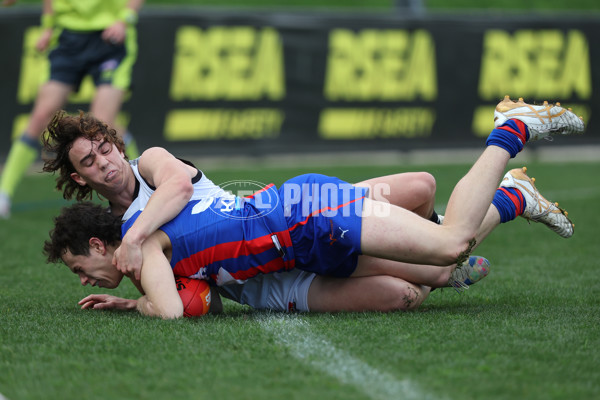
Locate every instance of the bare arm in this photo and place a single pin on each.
(173, 182)
(161, 298)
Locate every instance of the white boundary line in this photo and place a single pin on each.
(309, 348)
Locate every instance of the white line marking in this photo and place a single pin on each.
(307, 347)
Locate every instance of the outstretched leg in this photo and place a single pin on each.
(415, 191)
(397, 234)
(370, 293)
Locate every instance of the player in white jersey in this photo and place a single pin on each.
(203, 188)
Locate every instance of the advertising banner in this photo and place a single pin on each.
(209, 82)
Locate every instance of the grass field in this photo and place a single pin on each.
(530, 330)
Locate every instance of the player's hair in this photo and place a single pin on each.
(76, 225)
(58, 140)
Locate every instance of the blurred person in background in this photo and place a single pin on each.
(84, 37)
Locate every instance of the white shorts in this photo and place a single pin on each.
(285, 291)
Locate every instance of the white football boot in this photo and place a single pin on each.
(468, 273)
(538, 209)
(542, 121)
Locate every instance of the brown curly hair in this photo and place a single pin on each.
(58, 139)
(74, 227)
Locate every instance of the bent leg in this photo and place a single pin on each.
(396, 234)
(471, 198)
(373, 293)
(414, 191)
(489, 223)
(428, 275)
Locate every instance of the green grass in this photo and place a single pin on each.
(530, 330)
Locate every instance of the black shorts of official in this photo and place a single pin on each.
(78, 54)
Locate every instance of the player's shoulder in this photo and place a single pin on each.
(154, 152)
(153, 157)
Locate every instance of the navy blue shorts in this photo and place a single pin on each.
(78, 54)
(324, 216)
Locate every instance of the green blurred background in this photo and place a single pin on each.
(386, 5)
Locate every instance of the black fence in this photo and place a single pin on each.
(213, 82)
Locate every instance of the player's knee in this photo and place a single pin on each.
(405, 296)
(426, 185)
(411, 297)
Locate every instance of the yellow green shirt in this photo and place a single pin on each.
(87, 15)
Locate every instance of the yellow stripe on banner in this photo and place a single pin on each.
(223, 124)
(370, 123)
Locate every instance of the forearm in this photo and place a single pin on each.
(161, 298)
(164, 205)
(156, 214)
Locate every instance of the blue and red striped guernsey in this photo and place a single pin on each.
(231, 239)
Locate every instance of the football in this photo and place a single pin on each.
(195, 296)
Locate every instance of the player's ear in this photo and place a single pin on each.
(77, 178)
(97, 245)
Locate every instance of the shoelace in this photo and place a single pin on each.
(457, 279)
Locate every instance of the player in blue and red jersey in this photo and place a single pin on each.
(312, 223)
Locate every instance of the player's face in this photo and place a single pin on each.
(95, 269)
(100, 164)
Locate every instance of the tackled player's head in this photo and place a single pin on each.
(76, 225)
(58, 140)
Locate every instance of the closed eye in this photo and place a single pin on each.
(88, 160)
(105, 148)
